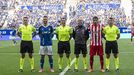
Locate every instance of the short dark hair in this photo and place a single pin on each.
(95, 17)
(25, 17)
(45, 16)
(111, 18)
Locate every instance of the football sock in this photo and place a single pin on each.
(32, 62)
(60, 62)
(51, 62)
(102, 61)
(21, 63)
(116, 62)
(69, 62)
(107, 63)
(76, 63)
(91, 62)
(85, 62)
(41, 63)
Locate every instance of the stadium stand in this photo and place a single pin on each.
(103, 9)
(37, 8)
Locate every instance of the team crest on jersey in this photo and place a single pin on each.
(49, 30)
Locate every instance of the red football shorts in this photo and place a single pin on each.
(96, 50)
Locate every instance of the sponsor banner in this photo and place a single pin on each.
(6, 34)
(98, 6)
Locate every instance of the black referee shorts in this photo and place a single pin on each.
(111, 46)
(80, 48)
(26, 47)
(64, 47)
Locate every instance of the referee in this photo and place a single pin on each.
(80, 35)
(25, 32)
(111, 35)
(63, 33)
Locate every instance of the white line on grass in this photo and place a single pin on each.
(66, 69)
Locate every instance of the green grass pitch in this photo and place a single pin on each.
(9, 60)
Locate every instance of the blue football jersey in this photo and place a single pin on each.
(45, 34)
(13, 32)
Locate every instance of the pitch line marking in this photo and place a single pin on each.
(66, 69)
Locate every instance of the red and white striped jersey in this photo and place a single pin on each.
(95, 34)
